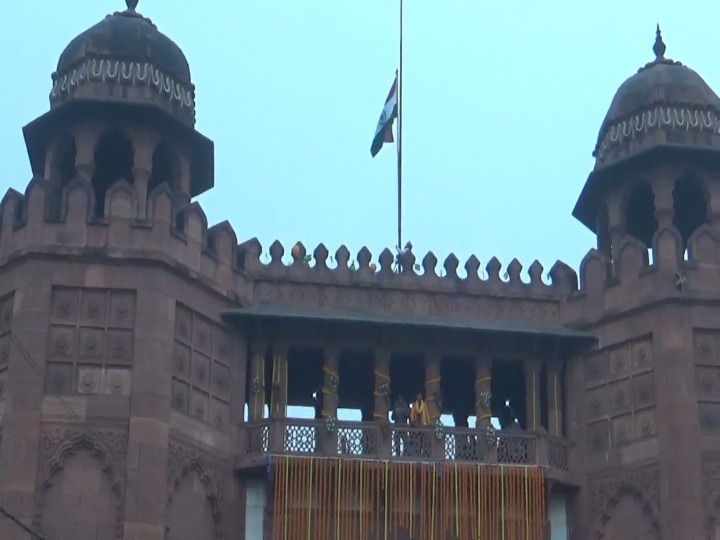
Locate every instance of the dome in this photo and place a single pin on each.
(664, 103)
(665, 111)
(125, 58)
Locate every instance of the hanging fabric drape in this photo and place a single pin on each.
(334, 499)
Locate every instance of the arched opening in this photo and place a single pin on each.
(191, 512)
(640, 214)
(114, 158)
(604, 242)
(164, 167)
(83, 484)
(690, 206)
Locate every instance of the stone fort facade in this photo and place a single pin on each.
(148, 360)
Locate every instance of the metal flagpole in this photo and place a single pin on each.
(399, 136)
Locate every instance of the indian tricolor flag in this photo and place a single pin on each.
(383, 132)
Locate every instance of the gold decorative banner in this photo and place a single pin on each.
(335, 499)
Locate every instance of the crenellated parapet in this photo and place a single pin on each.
(43, 220)
(638, 276)
(400, 282)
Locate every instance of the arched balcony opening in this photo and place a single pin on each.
(508, 393)
(640, 220)
(604, 241)
(458, 392)
(114, 158)
(165, 167)
(355, 389)
(690, 204)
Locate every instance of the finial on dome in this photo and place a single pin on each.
(659, 46)
(131, 5)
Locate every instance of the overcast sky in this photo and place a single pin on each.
(502, 105)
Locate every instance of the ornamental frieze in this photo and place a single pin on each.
(418, 303)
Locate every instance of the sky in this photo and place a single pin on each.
(502, 102)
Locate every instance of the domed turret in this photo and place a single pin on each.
(665, 114)
(122, 107)
(125, 58)
(664, 103)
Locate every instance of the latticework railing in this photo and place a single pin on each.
(321, 438)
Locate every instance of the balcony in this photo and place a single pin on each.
(365, 440)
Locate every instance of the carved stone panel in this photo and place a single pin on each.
(706, 347)
(621, 392)
(185, 461)
(711, 492)
(58, 443)
(707, 380)
(437, 304)
(709, 414)
(91, 340)
(201, 368)
(608, 495)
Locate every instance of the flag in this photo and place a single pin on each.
(383, 132)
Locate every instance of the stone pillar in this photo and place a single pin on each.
(85, 141)
(183, 187)
(141, 180)
(279, 389)
(382, 385)
(433, 394)
(532, 394)
(331, 382)
(483, 394)
(144, 146)
(278, 397)
(555, 398)
(239, 368)
(483, 411)
(327, 440)
(256, 397)
(23, 404)
(148, 434)
(679, 420)
(713, 207)
(663, 187)
(616, 221)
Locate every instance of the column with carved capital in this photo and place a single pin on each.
(279, 388)
(532, 394)
(256, 396)
(555, 398)
(382, 385)
(278, 396)
(433, 401)
(382, 398)
(331, 382)
(483, 394)
(483, 410)
(433, 394)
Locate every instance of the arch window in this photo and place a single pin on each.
(165, 168)
(114, 158)
(640, 213)
(690, 205)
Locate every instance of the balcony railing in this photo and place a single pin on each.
(295, 436)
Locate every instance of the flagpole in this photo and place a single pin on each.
(399, 136)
